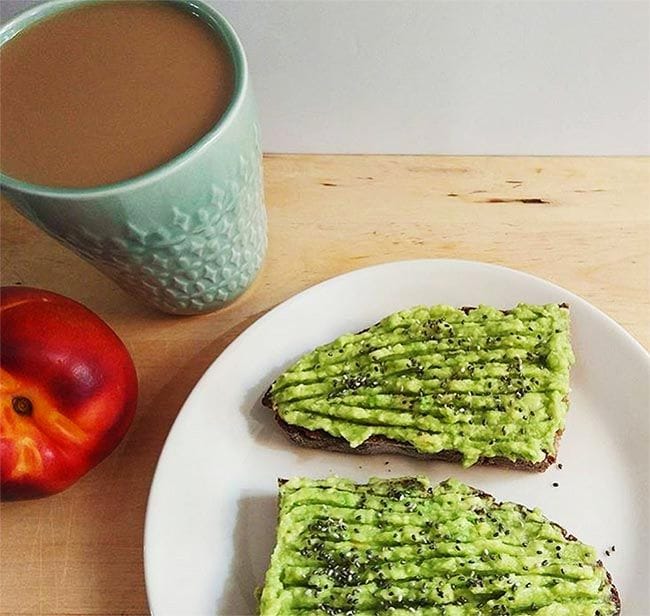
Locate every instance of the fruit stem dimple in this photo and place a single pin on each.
(22, 405)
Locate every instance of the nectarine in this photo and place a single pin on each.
(68, 391)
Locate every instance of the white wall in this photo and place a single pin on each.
(502, 77)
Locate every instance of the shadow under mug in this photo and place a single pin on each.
(187, 237)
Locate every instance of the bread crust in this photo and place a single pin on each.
(380, 445)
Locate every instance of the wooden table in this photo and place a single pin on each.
(582, 223)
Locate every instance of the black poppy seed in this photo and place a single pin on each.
(555, 484)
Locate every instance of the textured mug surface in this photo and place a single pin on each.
(187, 237)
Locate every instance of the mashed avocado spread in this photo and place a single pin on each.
(485, 383)
(400, 547)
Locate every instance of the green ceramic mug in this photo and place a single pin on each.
(187, 237)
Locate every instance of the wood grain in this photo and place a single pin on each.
(583, 223)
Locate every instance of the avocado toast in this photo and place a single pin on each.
(401, 546)
(473, 385)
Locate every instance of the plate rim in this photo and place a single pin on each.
(639, 349)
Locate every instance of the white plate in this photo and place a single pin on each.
(211, 516)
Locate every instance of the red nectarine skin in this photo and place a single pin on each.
(68, 391)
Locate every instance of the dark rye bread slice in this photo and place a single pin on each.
(492, 501)
(382, 445)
